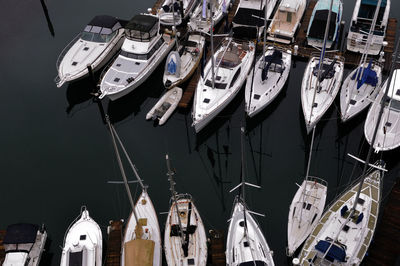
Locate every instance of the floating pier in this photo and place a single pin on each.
(302, 51)
(2, 251)
(217, 248)
(113, 254)
(384, 248)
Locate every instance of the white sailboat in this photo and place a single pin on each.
(361, 22)
(388, 135)
(167, 104)
(83, 243)
(210, 11)
(24, 244)
(173, 12)
(142, 236)
(185, 238)
(94, 46)
(362, 85)
(222, 82)
(245, 243)
(181, 64)
(267, 78)
(321, 81)
(286, 21)
(142, 51)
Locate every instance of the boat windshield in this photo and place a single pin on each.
(97, 37)
(229, 60)
(393, 104)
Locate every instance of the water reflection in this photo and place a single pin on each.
(46, 14)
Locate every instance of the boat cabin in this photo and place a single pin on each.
(366, 15)
(287, 15)
(317, 29)
(142, 28)
(101, 29)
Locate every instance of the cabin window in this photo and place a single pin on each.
(97, 37)
(144, 56)
(289, 17)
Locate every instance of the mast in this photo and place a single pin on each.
(322, 57)
(212, 46)
(265, 33)
(121, 167)
(174, 25)
(170, 174)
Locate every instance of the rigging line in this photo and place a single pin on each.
(389, 109)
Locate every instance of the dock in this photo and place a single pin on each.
(385, 247)
(217, 248)
(2, 251)
(113, 254)
(299, 48)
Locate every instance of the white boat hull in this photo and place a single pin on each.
(172, 98)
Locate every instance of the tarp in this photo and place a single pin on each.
(334, 253)
(368, 76)
(21, 234)
(139, 252)
(318, 25)
(250, 17)
(103, 21)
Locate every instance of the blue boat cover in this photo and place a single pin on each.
(369, 76)
(171, 67)
(21, 234)
(335, 252)
(373, 2)
(275, 58)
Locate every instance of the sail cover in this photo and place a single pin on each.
(369, 76)
(139, 252)
(334, 253)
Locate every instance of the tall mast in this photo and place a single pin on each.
(212, 46)
(265, 32)
(170, 174)
(322, 56)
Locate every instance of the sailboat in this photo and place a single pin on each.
(94, 46)
(362, 85)
(361, 22)
(345, 231)
(210, 11)
(315, 31)
(142, 51)
(286, 21)
(245, 244)
(185, 237)
(83, 243)
(321, 81)
(173, 12)
(23, 244)
(388, 135)
(267, 78)
(182, 63)
(142, 236)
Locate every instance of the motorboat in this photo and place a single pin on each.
(344, 233)
(221, 84)
(94, 46)
(83, 242)
(173, 12)
(185, 240)
(24, 244)
(318, 91)
(318, 20)
(267, 79)
(167, 104)
(360, 88)
(286, 21)
(248, 22)
(143, 50)
(364, 11)
(181, 64)
(207, 12)
(388, 132)
(245, 244)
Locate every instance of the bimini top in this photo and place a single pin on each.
(21, 234)
(142, 27)
(103, 24)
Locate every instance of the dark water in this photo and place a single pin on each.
(56, 153)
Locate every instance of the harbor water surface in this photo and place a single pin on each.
(57, 154)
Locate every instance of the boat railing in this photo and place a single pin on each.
(318, 180)
(329, 55)
(66, 49)
(107, 67)
(83, 208)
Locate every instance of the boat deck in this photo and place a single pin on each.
(2, 251)
(113, 254)
(303, 51)
(384, 249)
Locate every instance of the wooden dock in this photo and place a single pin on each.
(113, 254)
(2, 251)
(217, 248)
(385, 247)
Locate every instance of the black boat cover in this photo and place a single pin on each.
(21, 234)
(142, 23)
(103, 21)
(253, 263)
(317, 29)
(75, 258)
(250, 17)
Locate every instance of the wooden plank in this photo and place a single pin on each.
(217, 248)
(113, 254)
